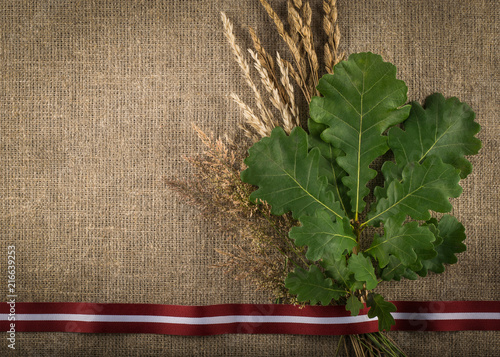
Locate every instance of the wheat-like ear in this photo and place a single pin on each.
(275, 97)
(267, 63)
(299, 61)
(307, 38)
(331, 28)
(294, 75)
(269, 84)
(285, 81)
(295, 26)
(266, 119)
(266, 58)
(251, 120)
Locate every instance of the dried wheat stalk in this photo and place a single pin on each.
(331, 28)
(275, 97)
(267, 62)
(293, 31)
(299, 59)
(266, 118)
(305, 30)
(285, 81)
(281, 90)
(251, 120)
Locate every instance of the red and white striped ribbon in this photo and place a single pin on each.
(242, 318)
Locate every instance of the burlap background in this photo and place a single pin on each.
(97, 100)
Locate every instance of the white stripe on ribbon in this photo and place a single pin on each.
(214, 320)
(446, 315)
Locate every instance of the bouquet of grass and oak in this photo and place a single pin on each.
(296, 208)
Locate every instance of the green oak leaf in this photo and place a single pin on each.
(323, 236)
(426, 254)
(328, 166)
(354, 305)
(445, 128)
(410, 274)
(286, 173)
(381, 309)
(336, 268)
(360, 101)
(451, 233)
(363, 270)
(401, 241)
(311, 285)
(395, 270)
(424, 187)
(391, 172)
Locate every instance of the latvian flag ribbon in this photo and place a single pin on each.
(242, 318)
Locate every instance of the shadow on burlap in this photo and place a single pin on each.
(97, 101)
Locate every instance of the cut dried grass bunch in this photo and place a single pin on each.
(261, 250)
(305, 72)
(281, 96)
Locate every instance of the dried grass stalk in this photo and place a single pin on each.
(331, 28)
(280, 90)
(266, 116)
(302, 25)
(309, 46)
(252, 121)
(267, 81)
(299, 59)
(294, 30)
(285, 81)
(275, 97)
(267, 62)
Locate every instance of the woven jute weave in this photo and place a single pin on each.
(97, 99)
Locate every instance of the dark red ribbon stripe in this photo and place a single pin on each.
(242, 318)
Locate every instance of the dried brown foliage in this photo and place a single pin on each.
(262, 251)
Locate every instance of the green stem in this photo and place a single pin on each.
(357, 231)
